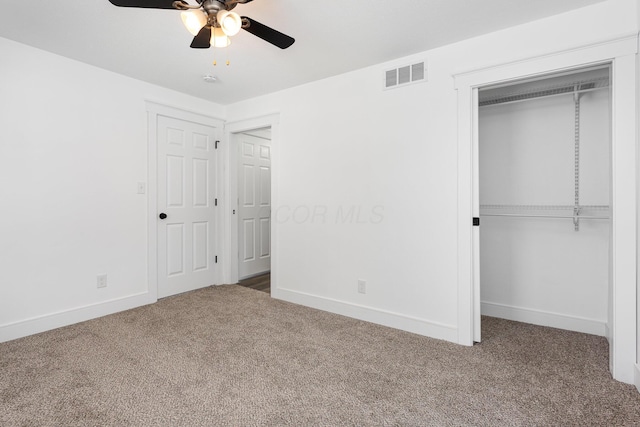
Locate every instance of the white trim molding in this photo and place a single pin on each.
(544, 318)
(381, 317)
(59, 319)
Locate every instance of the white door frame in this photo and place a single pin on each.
(230, 220)
(154, 110)
(621, 53)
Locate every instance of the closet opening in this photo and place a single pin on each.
(544, 194)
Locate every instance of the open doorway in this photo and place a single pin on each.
(254, 157)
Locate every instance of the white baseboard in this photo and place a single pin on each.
(369, 314)
(47, 322)
(544, 318)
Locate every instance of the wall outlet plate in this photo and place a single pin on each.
(102, 281)
(362, 286)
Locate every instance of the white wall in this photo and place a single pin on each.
(344, 142)
(74, 147)
(541, 270)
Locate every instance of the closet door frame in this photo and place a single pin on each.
(620, 54)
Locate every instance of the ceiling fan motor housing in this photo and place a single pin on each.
(212, 7)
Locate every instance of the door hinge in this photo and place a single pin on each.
(216, 260)
(217, 142)
(476, 221)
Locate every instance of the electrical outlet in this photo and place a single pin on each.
(362, 286)
(102, 281)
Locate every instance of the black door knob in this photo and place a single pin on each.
(162, 215)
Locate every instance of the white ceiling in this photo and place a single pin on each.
(331, 38)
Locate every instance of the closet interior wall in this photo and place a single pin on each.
(544, 167)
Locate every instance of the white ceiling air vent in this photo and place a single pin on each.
(402, 76)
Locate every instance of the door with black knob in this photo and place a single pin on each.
(187, 230)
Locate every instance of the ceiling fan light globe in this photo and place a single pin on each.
(194, 20)
(230, 22)
(219, 38)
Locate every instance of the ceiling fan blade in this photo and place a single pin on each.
(268, 34)
(203, 39)
(153, 4)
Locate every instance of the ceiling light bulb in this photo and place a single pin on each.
(219, 38)
(230, 22)
(194, 20)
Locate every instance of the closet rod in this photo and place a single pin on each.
(565, 90)
(545, 207)
(549, 216)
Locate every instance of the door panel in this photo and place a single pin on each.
(175, 249)
(200, 246)
(254, 196)
(186, 193)
(265, 186)
(249, 239)
(265, 237)
(175, 181)
(200, 183)
(248, 196)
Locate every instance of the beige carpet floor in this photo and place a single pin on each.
(231, 356)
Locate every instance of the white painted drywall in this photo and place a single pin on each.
(73, 149)
(345, 144)
(543, 267)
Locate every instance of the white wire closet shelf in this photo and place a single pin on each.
(576, 87)
(547, 211)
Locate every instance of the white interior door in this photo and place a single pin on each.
(186, 206)
(254, 205)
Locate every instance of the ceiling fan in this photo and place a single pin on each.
(214, 17)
